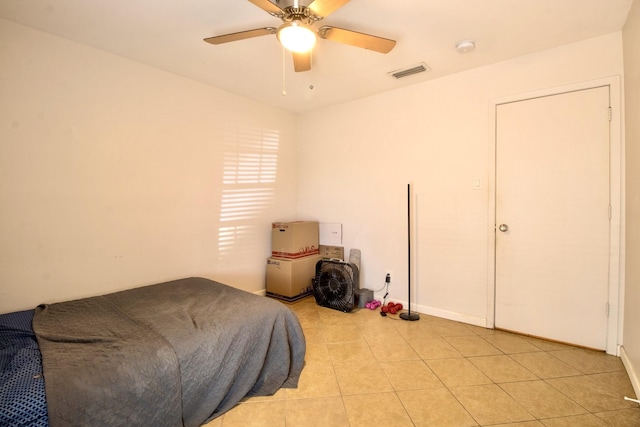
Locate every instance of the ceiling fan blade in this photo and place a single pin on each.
(324, 8)
(269, 7)
(301, 61)
(226, 38)
(354, 38)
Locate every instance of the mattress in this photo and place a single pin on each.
(22, 393)
(177, 353)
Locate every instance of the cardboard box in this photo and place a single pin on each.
(330, 234)
(332, 252)
(290, 279)
(293, 240)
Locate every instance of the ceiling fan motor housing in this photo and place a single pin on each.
(301, 13)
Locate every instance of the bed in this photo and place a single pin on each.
(178, 353)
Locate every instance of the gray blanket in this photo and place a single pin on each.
(172, 354)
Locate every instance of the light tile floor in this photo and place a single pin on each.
(363, 369)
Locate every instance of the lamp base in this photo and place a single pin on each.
(409, 316)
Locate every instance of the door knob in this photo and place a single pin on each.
(503, 227)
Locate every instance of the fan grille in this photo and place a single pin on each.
(335, 285)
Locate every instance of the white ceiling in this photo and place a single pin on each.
(168, 35)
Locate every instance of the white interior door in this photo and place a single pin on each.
(552, 216)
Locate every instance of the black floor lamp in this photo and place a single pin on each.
(409, 315)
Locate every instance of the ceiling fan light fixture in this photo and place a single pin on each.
(296, 37)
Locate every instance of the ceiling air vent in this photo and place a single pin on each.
(420, 68)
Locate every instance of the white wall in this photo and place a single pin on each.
(356, 159)
(111, 175)
(631, 39)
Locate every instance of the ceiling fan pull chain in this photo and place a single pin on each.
(311, 70)
(284, 82)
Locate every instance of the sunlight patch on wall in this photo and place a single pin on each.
(248, 190)
(244, 204)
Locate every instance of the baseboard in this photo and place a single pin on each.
(449, 315)
(633, 375)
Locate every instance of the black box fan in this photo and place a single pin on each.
(335, 284)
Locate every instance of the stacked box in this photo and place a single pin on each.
(292, 265)
(293, 240)
(289, 279)
(332, 252)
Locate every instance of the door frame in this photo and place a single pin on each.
(616, 224)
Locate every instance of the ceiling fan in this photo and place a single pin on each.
(297, 35)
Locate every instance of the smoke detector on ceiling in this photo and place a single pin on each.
(465, 46)
(414, 69)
